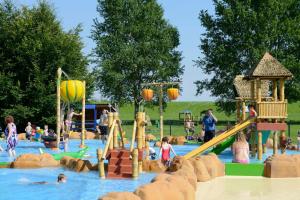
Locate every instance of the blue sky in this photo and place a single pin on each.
(181, 14)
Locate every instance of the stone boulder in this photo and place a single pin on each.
(157, 144)
(120, 196)
(189, 175)
(200, 169)
(213, 165)
(180, 140)
(179, 183)
(22, 136)
(159, 190)
(153, 166)
(150, 137)
(171, 139)
(282, 166)
(76, 165)
(179, 162)
(35, 161)
(176, 163)
(90, 135)
(75, 135)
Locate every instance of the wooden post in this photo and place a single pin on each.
(274, 91)
(147, 150)
(259, 146)
(243, 111)
(258, 90)
(161, 127)
(110, 123)
(275, 143)
(143, 130)
(139, 135)
(133, 136)
(122, 142)
(83, 118)
(58, 125)
(135, 164)
(238, 111)
(109, 139)
(252, 88)
(100, 163)
(283, 140)
(253, 145)
(116, 131)
(281, 81)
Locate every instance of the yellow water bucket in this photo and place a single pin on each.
(71, 90)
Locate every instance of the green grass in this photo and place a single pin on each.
(173, 109)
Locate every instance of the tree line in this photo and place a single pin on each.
(135, 44)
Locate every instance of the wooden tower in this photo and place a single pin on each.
(271, 105)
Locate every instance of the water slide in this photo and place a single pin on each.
(220, 138)
(222, 146)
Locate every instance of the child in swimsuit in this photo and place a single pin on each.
(240, 149)
(165, 151)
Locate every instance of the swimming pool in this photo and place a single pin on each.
(16, 183)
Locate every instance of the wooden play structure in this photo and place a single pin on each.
(173, 94)
(122, 162)
(69, 91)
(271, 106)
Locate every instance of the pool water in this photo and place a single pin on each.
(17, 183)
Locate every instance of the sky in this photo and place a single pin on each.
(181, 14)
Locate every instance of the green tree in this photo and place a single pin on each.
(238, 35)
(32, 46)
(135, 45)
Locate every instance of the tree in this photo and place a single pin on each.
(239, 34)
(32, 46)
(135, 45)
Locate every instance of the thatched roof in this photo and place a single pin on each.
(269, 67)
(243, 87)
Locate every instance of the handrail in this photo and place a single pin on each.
(110, 135)
(121, 133)
(133, 136)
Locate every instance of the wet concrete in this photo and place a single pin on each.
(249, 188)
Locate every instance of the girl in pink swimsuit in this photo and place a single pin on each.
(240, 149)
(165, 151)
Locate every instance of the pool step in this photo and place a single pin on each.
(119, 164)
(120, 161)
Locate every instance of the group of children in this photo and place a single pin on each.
(33, 132)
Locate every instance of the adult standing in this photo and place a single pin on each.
(11, 136)
(103, 124)
(209, 125)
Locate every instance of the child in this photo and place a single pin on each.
(46, 131)
(62, 178)
(68, 121)
(165, 151)
(240, 149)
(252, 112)
(189, 127)
(28, 130)
(152, 153)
